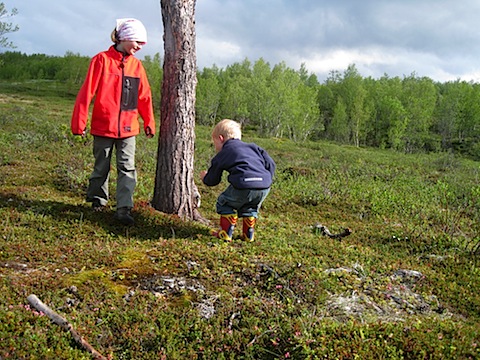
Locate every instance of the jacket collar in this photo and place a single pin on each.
(117, 55)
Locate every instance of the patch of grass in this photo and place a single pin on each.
(403, 285)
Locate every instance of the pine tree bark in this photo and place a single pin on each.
(175, 190)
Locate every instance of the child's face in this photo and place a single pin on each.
(218, 142)
(131, 47)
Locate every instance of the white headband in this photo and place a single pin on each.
(131, 30)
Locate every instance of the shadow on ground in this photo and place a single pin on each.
(149, 223)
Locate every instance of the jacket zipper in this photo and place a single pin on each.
(122, 65)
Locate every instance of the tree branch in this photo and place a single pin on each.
(64, 324)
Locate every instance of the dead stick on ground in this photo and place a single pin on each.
(324, 230)
(64, 324)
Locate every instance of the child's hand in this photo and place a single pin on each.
(148, 132)
(202, 174)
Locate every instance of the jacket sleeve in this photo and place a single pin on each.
(145, 107)
(85, 95)
(214, 173)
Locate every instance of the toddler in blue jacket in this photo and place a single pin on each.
(250, 174)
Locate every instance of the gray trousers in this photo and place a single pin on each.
(126, 172)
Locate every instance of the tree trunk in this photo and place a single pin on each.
(175, 190)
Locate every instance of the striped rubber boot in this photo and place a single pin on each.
(227, 225)
(249, 228)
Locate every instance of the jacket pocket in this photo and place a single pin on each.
(130, 93)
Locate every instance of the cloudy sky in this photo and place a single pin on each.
(439, 39)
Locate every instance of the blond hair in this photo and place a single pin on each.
(229, 129)
(114, 36)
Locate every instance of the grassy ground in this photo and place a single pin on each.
(404, 285)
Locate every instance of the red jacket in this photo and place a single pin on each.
(121, 90)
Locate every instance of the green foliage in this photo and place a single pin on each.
(208, 96)
(403, 285)
(6, 27)
(32, 72)
(153, 67)
(278, 102)
(410, 114)
(338, 129)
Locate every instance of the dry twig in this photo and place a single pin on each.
(64, 324)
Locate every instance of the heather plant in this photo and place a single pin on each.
(403, 285)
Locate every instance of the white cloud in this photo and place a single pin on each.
(218, 52)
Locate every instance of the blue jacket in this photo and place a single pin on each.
(249, 166)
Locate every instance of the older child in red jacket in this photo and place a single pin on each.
(119, 84)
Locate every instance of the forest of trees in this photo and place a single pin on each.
(409, 114)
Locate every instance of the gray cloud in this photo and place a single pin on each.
(434, 38)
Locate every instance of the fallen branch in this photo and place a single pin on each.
(324, 231)
(64, 324)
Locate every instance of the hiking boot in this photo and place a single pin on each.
(124, 216)
(97, 206)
